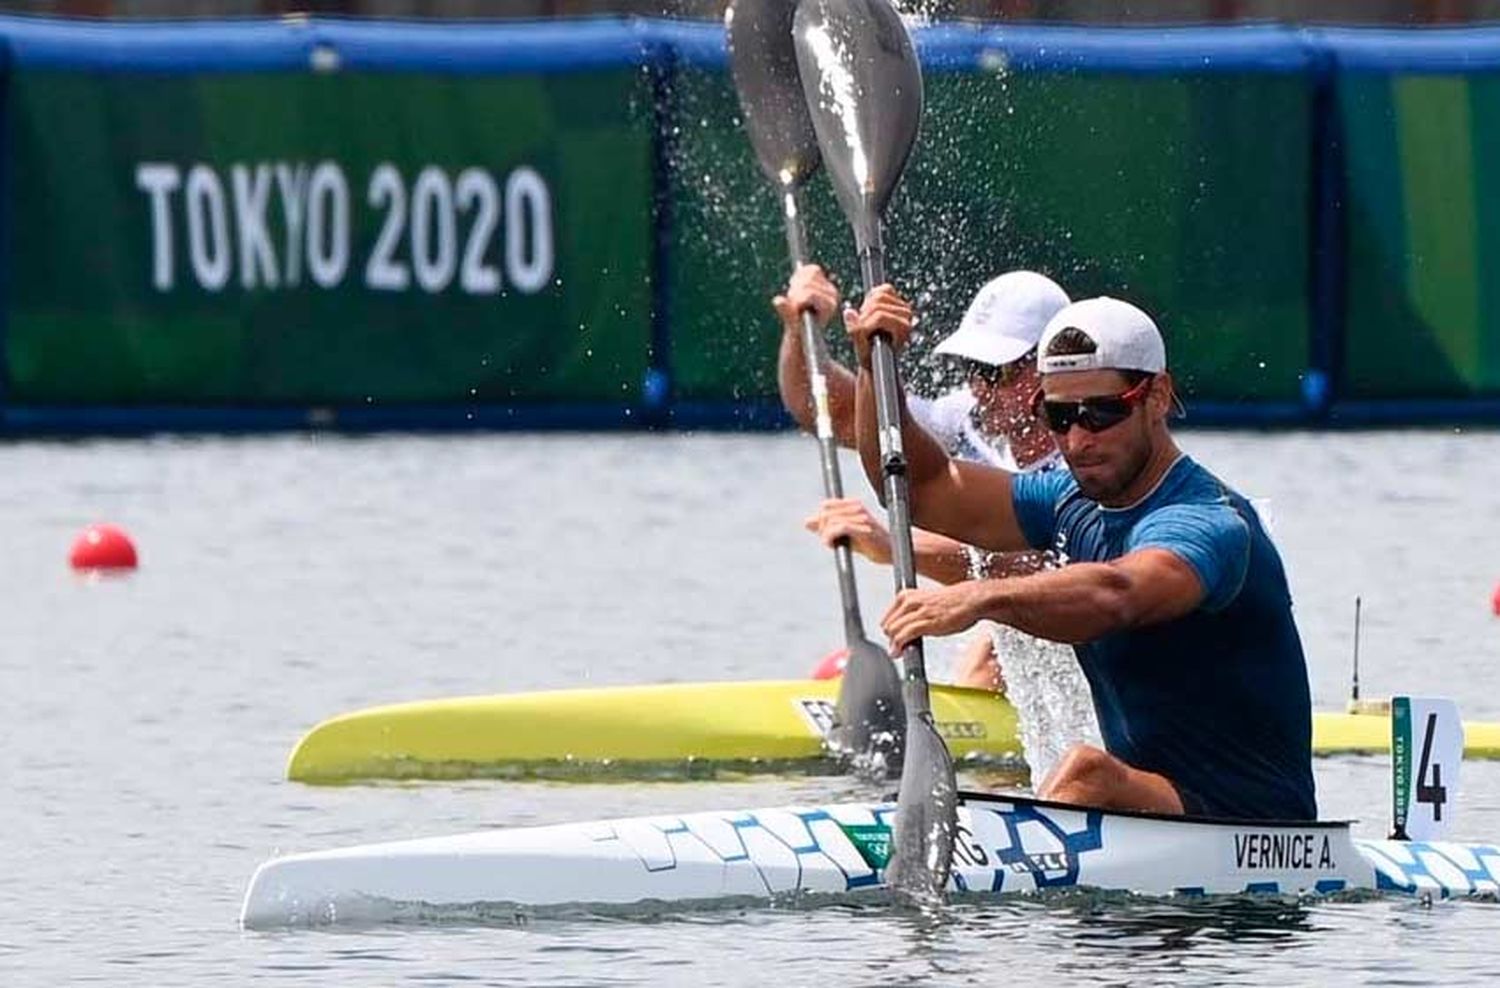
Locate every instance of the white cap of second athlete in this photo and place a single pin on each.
(1006, 318)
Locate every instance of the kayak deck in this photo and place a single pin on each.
(1370, 734)
(1006, 844)
(670, 730)
(683, 730)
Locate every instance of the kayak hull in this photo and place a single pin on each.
(1370, 734)
(682, 730)
(1006, 845)
(668, 729)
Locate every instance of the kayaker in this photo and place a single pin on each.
(1172, 595)
(988, 420)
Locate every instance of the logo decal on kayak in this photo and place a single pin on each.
(871, 840)
(819, 714)
(1022, 839)
(1050, 868)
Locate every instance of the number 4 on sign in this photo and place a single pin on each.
(1427, 744)
(1433, 793)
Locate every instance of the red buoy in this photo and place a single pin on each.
(1495, 601)
(831, 666)
(102, 547)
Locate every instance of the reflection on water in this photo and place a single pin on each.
(1180, 924)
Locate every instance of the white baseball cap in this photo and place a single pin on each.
(1124, 337)
(1006, 318)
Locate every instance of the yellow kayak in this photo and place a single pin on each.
(1370, 733)
(673, 729)
(681, 730)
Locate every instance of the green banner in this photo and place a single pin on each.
(1423, 222)
(1189, 195)
(341, 238)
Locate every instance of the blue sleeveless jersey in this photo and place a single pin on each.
(1217, 701)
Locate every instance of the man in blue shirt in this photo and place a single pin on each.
(1173, 596)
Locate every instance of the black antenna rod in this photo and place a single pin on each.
(1354, 693)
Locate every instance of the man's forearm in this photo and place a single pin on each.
(939, 557)
(791, 379)
(1077, 603)
(998, 564)
(925, 458)
(796, 390)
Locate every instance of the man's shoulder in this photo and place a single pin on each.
(1190, 494)
(1038, 499)
(1044, 492)
(943, 416)
(1189, 482)
(959, 401)
(1197, 519)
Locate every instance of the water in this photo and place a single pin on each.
(146, 721)
(1051, 698)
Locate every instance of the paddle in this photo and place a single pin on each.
(864, 91)
(870, 718)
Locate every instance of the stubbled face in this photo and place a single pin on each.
(1005, 409)
(1107, 463)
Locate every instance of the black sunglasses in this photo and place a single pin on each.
(999, 375)
(1093, 414)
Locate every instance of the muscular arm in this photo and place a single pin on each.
(811, 292)
(937, 556)
(969, 502)
(1085, 601)
(1079, 603)
(947, 560)
(1000, 564)
(796, 392)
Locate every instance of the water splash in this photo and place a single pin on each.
(961, 215)
(872, 765)
(1054, 708)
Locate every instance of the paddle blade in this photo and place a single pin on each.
(764, 66)
(926, 814)
(863, 88)
(871, 717)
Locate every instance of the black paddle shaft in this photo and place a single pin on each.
(833, 481)
(927, 804)
(893, 470)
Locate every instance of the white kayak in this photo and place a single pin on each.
(1007, 844)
